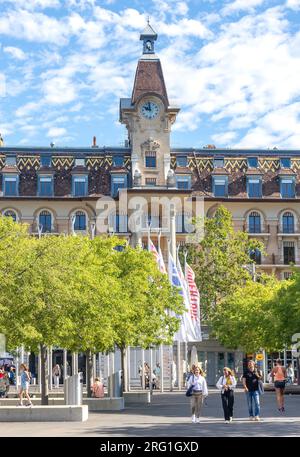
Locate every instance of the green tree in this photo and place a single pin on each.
(220, 259)
(145, 311)
(244, 319)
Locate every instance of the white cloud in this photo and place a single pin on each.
(28, 108)
(224, 139)
(241, 5)
(33, 26)
(59, 90)
(56, 132)
(32, 4)
(293, 4)
(16, 53)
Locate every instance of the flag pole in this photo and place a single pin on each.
(186, 343)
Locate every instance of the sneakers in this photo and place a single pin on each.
(193, 418)
(251, 418)
(257, 418)
(29, 404)
(20, 404)
(230, 419)
(281, 410)
(227, 422)
(198, 420)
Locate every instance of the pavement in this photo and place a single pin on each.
(169, 415)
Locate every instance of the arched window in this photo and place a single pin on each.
(45, 220)
(80, 221)
(288, 223)
(254, 222)
(10, 213)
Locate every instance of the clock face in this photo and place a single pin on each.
(150, 110)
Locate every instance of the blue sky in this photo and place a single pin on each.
(232, 66)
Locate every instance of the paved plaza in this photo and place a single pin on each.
(169, 416)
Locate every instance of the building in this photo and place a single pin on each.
(60, 190)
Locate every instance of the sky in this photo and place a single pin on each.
(232, 66)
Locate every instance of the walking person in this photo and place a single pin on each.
(24, 387)
(200, 391)
(279, 375)
(226, 385)
(56, 373)
(290, 374)
(251, 386)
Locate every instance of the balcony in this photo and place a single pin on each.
(276, 261)
(264, 230)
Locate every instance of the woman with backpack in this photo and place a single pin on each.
(198, 387)
(279, 375)
(226, 385)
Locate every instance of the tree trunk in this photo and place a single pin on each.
(44, 375)
(89, 373)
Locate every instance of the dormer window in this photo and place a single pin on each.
(118, 161)
(46, 161)
(11, 161)
(219, 162)
(252, 162)
(285, 162)
(181, 161)
(79, 162)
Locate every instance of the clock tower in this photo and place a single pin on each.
(148, 117)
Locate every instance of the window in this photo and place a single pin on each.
(11, 161)
(80, 186)
(181, 161)
(254, 188)
(45, 186)
(150, 181)
(183, 223)
(79, 162)
(118, 223)
(219, 162)
(220, 186)
(118, 161)
(45, 220)
(255, 222)
(252, 162)
(255, 255)
(288, 252)
(10, 213)
(288, 223)
(10, 186)
(287, 275)
(183, 182)
(287, 187)
(80, 221)
(46, 161)
(285, 162)
(150, 159)
(118, 182)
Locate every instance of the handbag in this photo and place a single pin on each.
(189, 391)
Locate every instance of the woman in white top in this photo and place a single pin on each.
(226, 384)
(198, 382)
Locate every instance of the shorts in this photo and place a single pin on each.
(279, 384)
(25, 386)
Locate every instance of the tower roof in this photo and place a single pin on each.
(148, 32)
(149, 79)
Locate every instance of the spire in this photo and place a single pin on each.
(148, 36)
